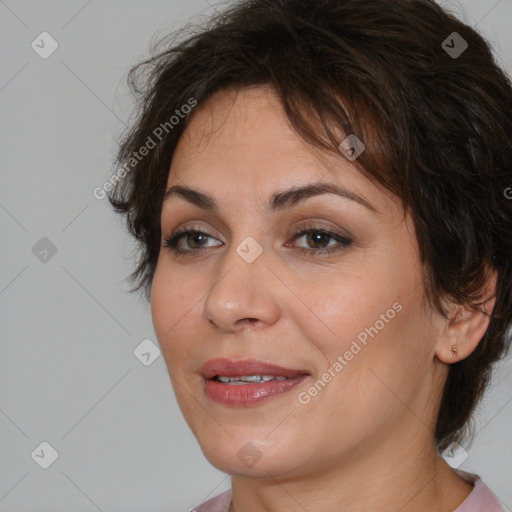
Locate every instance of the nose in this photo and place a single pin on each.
(243, 294)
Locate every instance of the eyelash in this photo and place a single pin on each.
(173, 241)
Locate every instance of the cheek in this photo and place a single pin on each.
(163, 294)
(347, 308)
(377, 357)
(174, 303)
(366, 323)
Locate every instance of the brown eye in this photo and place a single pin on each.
(194, 239)
(318, 241)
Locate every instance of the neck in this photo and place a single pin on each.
(409, 482)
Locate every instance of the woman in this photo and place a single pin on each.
(318, 188)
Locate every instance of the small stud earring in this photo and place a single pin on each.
(454, 351)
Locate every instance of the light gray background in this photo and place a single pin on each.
(69, 375)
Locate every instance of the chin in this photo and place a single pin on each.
(247, 458)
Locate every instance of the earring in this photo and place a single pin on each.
(454, 351)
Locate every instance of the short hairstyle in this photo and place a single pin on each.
(437, 126)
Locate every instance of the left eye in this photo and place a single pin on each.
(318, 241)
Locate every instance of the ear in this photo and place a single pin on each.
(464, 328)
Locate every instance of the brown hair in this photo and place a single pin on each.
(437, 128)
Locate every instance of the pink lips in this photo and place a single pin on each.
(252, 393)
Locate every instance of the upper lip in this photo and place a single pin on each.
(232, 368)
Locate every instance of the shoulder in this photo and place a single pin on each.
(481, 498)
(219, 503)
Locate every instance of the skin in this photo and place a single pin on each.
(365, 441)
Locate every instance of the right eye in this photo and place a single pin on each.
(194, 238)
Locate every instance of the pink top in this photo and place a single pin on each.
(481, 498)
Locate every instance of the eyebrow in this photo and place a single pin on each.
(278, 201)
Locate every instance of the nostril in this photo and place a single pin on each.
(247, 320)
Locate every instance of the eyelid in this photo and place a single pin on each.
(302, 230)
(189, 229)
(296, 228)
(185, 227)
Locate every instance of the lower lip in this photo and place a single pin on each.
(249, 394)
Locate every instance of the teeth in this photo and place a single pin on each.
(249, 378)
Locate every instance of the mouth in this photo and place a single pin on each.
(249, 382)
(247, 379)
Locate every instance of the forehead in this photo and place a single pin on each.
(246, 126)
(241, 142)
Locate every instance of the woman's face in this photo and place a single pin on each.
(342, 303)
